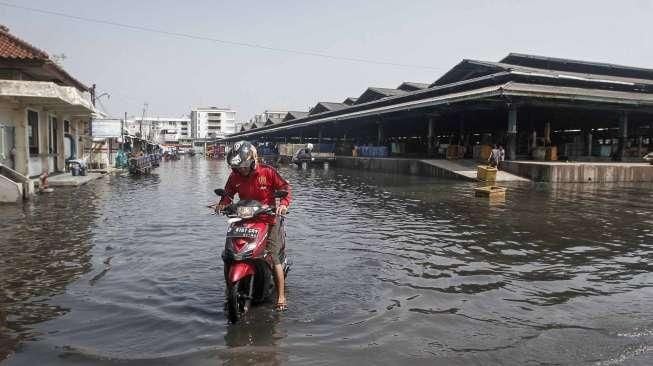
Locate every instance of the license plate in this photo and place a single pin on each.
(242, 232)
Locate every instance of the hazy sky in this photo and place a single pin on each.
(173, 74)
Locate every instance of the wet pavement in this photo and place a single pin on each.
(388, 269)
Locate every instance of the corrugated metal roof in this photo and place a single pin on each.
(322, 107)
(412, 86)
(374, 93)
(294, 115)
(427, 102)
(563, 64)
(465, 68)
(571, 93)
(511, 88)
(471, 77)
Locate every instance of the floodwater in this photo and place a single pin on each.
(388, 269)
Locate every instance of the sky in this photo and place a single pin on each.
(396, 40)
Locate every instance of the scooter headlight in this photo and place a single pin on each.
(245, 212)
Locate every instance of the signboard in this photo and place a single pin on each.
(104, 128)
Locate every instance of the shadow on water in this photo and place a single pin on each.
(387, 269)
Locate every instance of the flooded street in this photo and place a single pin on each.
(387, 269)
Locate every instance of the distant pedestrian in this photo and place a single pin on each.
(495, 155)
(502, 154)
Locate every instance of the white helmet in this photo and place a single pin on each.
(309, 146)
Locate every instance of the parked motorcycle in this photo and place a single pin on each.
(248, 267)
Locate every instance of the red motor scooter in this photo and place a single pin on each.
(248, 266)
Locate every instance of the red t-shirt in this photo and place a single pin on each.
(259, 185)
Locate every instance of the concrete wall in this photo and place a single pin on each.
(13, 183)
(393, 166)
(581, 172)
(10, 191)
(33, 165)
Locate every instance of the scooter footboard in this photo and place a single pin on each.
(240, 270)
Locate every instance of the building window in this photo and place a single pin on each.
(33, 132)
(66, 126)
(52, 137)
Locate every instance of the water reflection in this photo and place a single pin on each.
(256, 340)
(45, 246)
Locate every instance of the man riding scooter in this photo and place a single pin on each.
(254, 181)
(304, 155)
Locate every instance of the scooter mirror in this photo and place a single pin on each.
(220, 192)
(280, 194)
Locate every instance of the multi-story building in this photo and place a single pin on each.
(211, 122)
(163, 130)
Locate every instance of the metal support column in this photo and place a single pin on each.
(588, 140)
(511, 149)
(461, 130)
(379, 136)
(623, 128)
(430, 135)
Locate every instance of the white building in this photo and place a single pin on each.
(269, 114)
(45, 115)
(163, 130)
(212, 122)
(261, 119)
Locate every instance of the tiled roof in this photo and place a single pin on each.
(15, 48)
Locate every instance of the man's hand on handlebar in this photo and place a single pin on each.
(217, 208)
(282, 210)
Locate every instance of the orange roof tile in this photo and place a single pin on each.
(14, 47)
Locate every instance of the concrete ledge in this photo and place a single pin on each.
(65, 95)
(396, 166)
(68, 180)
(585, 172)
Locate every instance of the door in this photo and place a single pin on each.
(7, 156)
(54, 143)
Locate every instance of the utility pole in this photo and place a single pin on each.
(140, 126)
(122, 128)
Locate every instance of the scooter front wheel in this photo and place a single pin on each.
(239, 299)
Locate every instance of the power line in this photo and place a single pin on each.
(217, 40)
